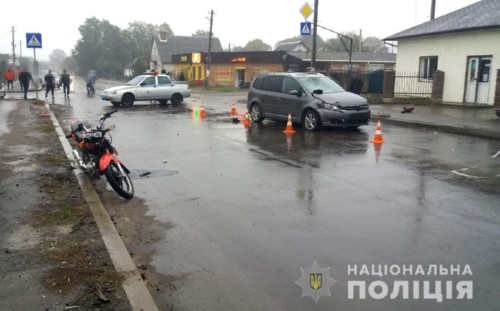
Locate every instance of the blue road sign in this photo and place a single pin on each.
(34, 40)
(305, 29)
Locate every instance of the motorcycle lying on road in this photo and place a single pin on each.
(96, 156)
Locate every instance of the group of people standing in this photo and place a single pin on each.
(25, 78)
(50, 83)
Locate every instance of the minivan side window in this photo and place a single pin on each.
(257, 84)
(290, 84)
(273, 83)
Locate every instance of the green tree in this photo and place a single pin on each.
(373, 44)
(139, 65)
(256, 45)
(69, 64)
(307, 40)
(56, 57)
(108, 49)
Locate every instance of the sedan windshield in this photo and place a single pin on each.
(325, 84)
(135, 80)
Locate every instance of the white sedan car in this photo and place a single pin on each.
(146, 88)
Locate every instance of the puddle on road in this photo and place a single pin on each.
(156, 173)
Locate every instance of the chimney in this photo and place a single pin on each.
(433, 9)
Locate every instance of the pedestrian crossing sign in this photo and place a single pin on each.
(34, 40)
(305, 29)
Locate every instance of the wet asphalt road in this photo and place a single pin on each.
(248, 208)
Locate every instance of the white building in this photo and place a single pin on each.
(164, 47)
(464, 44)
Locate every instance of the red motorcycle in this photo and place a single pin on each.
(96, 156)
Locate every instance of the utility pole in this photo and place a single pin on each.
(13, 47)
(360, 47)
(315, 32)
(209, 58)
(433, 9)
(20, 50)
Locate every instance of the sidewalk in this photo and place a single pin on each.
(51, 251)
(481, 122)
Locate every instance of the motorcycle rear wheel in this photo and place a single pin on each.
(121, 183)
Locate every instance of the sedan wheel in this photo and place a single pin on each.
(255, 113)
(311, 120)
(128, 100)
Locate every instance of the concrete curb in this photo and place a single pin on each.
(137, 293)
(483, 133)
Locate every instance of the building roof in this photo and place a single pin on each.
(480, 15)
(185, 44)
(289, 46)
(344, 57)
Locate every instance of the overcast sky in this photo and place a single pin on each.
(235, 21)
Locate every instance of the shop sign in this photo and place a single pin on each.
(239, 60)
(196, 58)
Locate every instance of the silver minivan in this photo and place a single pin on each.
(313, 99)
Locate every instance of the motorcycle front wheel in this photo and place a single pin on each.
(119, 180)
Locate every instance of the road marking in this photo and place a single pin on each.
(137, 293)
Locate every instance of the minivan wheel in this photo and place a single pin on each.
(311, 120)
(255, 113)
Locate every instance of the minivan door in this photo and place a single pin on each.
(290, 103)
(270, 96)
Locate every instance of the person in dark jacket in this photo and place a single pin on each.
(19, 73)
(50, 83)
(65, 81)
(25, 78)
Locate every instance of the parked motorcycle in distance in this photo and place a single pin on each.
(96, 156)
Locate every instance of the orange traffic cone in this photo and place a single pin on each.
(246, 120)
(233, 111)
(377, 139)
(289, 128)
(202, 111)
(234, 114)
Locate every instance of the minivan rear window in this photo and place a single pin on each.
(272, 83)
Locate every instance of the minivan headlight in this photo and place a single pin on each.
(329, 106)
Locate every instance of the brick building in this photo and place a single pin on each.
(233, 68)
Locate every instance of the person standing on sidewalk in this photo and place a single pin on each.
(50, 83)
(19, 72)
(9, 76)
(25, 78)
(65, 81)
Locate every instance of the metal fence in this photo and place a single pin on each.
(360, 81)
(411, 84)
